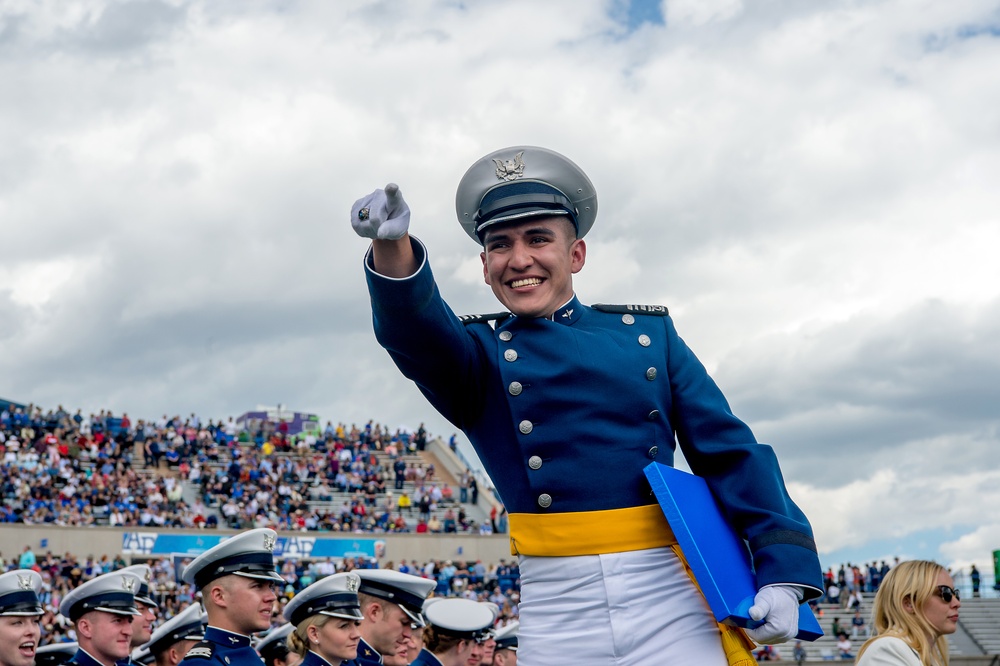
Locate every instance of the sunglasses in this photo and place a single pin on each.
(947, 593)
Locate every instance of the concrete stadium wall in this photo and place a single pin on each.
(98, 541)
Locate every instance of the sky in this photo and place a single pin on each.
(809, 187)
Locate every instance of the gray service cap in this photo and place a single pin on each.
(520, 182)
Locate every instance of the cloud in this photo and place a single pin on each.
(809, 187)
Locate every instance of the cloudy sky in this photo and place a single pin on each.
(811, 188)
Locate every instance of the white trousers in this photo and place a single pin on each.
(620, 609)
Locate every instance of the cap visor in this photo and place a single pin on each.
(117, 611)
(346, 614)
(417, 618)
(270, 575)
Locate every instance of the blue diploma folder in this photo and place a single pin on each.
(718, 557)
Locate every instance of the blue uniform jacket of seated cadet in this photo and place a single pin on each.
(367, 656)
(565, 413)
(222, 647)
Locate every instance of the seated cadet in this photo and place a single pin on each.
(102, 610)
(506, 650)
(173, 639)
(273, 647)
(391, 603)
(456, 629)
(326, 616)
(488, 641)
(236, 579)
(55, 654)
(416, 647)
(20, 611)
(142, 626)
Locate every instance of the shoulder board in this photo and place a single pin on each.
(483, 318)
(202, 650)
(656, 310)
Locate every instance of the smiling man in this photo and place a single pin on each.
(102, 611)
(20, 610)
(566, 404)
(236, 579)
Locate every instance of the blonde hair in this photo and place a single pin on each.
(909, 583)
(298, 640)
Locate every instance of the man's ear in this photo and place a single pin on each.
(578, 255)
(84, 628)
(486, 274)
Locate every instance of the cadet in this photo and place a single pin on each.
(20, 610)
(326, 616)
(456, 630)
(391, 603)
(142, 626)
(236, 579)
(102, 610)
(505, 653)
(172, 640)
(566, 404)
(273, 647)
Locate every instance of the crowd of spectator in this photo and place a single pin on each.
(498, 582)
(70, 469)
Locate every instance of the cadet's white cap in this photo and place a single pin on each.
(463, 618)
(520, 182)
(336, 596)
(409, 592)
(112, 593)
(188, 625)
(19, 593)
(248, 555)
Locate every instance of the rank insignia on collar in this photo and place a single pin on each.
(567, 314)
(24, 582)
(233, 639)
(508, 170)
(269, 543)
(128, 583)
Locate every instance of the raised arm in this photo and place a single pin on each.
(384, 217)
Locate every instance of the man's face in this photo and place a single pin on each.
(248, 603)
(106, 636)
(142, 627)
(19, 638)
(390, 634)
(530, 265)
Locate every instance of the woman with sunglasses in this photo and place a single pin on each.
(915, 607)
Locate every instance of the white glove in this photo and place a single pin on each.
(778, 606)
(382, 214)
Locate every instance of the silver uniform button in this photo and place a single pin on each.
(644, 340)
(505, 336)
(651, 374)
(628, 319)
(653, 415)
(515, 388)
(534, 462)
(510, 355)
(653, 450)
(525, 427)
(545, 500)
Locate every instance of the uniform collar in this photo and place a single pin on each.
(367, 654)
(230, 639)
(568, 313)
(84, 658)
(315, 659)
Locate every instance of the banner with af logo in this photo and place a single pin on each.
(157, 543)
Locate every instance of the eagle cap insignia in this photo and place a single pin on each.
(353, 584)
(24, 582)
(508, 170)
(128, 583)
(269, 543)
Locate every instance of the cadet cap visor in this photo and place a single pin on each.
(520, 182)
(273, 645)
(19, 593)
(506, 637)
